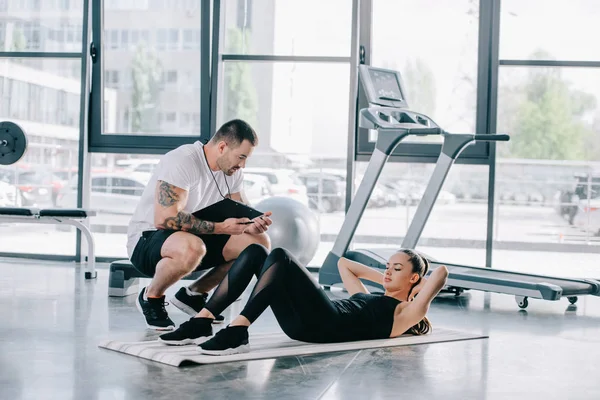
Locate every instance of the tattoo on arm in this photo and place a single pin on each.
(186, 222)
(166, 194)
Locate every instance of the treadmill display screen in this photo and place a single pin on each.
(386, 85)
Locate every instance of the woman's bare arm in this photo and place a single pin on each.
(352, 272)
(417, 309)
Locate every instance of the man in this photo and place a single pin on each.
(166, 242)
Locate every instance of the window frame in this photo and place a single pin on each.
(101, 142)
(478, 153)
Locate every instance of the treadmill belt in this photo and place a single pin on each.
(491, 279)
(569, 286)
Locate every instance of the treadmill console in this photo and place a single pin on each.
(388, 104)
(383, 87)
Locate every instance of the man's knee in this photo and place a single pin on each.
(185, 248)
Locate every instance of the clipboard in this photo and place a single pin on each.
(226, 208)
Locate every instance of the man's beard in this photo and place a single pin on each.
(222, 164)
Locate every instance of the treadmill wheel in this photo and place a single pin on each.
(572, 299)
(522, 301)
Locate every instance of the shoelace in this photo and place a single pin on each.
(157, 309)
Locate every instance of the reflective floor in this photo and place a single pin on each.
(53, 320)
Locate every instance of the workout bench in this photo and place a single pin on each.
(74, 217)
(123, 278)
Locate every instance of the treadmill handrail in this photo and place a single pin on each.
(425, 131)
(492, 137)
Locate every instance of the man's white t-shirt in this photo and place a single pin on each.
(186, 168)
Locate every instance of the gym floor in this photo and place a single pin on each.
(54, 319)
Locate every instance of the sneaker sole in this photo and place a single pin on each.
(183, 307)
(189, 310)
(184, 342)
(156, 328)
(245, 348)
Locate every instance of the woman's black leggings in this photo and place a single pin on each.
(301, 307)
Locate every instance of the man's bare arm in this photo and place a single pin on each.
(188, 223)
(241, 197)
(169, 214)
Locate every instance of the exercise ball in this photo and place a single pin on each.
(295, 227)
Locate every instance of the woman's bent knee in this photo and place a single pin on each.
(255, 250)
(280, 254)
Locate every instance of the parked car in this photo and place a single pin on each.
(587, 217)
(398, 194)
(114, 193)
(415, 193)
(257, 188)
(138, 164)
(283, 182)
(326, 192)
(9, 195)
(36, 187)
(380, 197)
(571, 202)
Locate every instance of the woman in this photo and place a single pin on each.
(304, 311)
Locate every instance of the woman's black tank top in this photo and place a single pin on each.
(365, 317)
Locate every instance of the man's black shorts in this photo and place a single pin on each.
(147, 251)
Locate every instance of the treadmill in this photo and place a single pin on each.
(390, 116)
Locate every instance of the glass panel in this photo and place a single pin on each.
(48, 26)
(46, 105)
(547, 175)
(300, 131)
(152, 72)
(462, 203)
(436, 53)
(282, 102)
(549, 30)
(285, 32)
(118, 181)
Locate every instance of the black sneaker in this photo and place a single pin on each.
(194, 331)
(154, 312)
(231, 340)
(192, 304)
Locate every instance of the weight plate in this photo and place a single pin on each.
(13, 143)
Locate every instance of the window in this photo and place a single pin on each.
(440, 76)
(549, 166)
(161, 39)
(285, 31)
(547, 173)
(41, 96)
(33, 27)
(143, 75)
(191, 39)
(118, 186)
(124, 39)
(111, 78)
(114, 39)
(283, 102)
(173, 42)
(563, 30)
(172, 77)
(244, 14)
